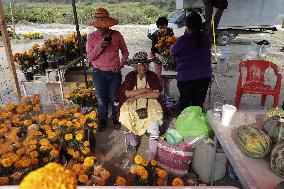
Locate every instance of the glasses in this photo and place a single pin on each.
(217, 109)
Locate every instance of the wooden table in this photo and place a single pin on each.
(253, 173)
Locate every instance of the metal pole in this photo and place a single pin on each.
(79, 40)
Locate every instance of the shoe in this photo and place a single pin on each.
(116, 125)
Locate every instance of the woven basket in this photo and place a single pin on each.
(174, 159)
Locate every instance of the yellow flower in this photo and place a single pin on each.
(86, 143)
(79, 136)
(120, 181)
(21, 151)
(28, 122)
(70, 152)
(59, 177)
(86, 151)
(4, 181)
(69, 123)
(76, 154)
(54, 153)
(138, 159)
(83, 178)
(89, 161)
(154, 162)
(177, 182)
(93, 115)
(44, 142)
(68, 137)
(55, 121)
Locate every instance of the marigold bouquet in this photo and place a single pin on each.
(26, 60)
(164, 45)
(83, 95)
(147, 174)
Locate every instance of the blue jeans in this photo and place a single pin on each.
(106, 84)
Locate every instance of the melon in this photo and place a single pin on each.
(252, 141)
(274, 127)
(277, 159)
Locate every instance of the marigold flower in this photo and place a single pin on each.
(100, 181)
(26, 162)
(28, 122)
(79, 136)
(83, 178)
(144, 175)
(34, 161)
(34, 154)
(160, 182)
(59, 177)
(86, 151)
(21, 151)
(4, 181)
(76, 154)
(145, 163)
(162, 173)
(86, 143)
(7, 162)
(138, 159)
(154, 162)
(89, 161)
(105, 174)
(177, 182)
(120, 181)
(45, 160)
(68, 136)
(70, 151)
(44, 142)
(54, 153)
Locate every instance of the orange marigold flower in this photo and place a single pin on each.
(45, 160)
(28, 122)
(177, 182)
(54, 153)
(138, 159)
(83, 178)
(100, 181)
(34, 154)
(120, 181)
(7, 162)
(89, 161)
(162, 173)
(26, 162)
(86, 143)
(68, 136)
(20, 151)
(70, 151)
(154, 162)
(105, 174)
(79, 136)
(4, 180)
(34, 161)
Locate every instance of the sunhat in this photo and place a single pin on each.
(102, 19)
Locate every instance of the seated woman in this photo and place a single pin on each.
(140, 107)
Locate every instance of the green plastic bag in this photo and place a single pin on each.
(173, 137)
(193, 123)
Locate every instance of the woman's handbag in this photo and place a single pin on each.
(142, 112)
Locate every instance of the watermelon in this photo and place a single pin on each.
(274, 127)
(277, 159)
(252, 141)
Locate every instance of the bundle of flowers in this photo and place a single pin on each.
(101, 176)
(26, 60)
(164, 45)
(83, 95)
(147, 173)
(55, 51)
(33, 35)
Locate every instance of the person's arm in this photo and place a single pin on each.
(151, 95)
(93, 47)
(136, 92)
(124, 50)
(177, 46)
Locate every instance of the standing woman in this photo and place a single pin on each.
(193, 59)
(103, 48)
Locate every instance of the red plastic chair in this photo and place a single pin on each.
(255, 83)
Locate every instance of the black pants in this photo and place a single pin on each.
(192, 93)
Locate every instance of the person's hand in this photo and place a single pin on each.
(161, 58)
(131, 100)
(104, 43)
(118, 68)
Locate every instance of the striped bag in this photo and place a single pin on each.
(174, 159)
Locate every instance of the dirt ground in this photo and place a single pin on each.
(110, 144)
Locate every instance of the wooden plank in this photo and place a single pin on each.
(9, 54)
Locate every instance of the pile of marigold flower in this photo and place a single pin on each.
(30, 139)
(33, 35)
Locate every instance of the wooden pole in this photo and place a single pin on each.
(10, 58)
(12, 16)
(79, 39)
